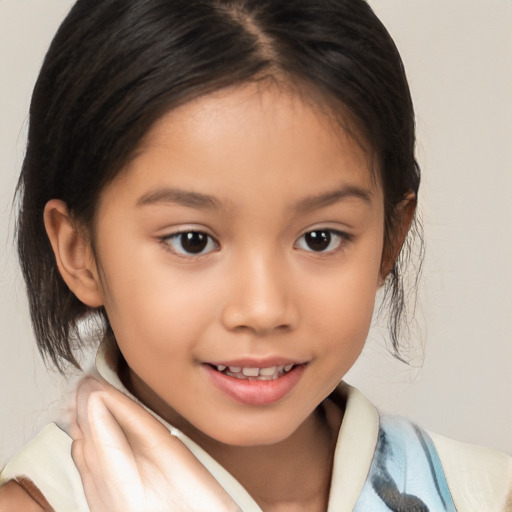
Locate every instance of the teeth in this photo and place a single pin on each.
(251, 372)
(269, 373)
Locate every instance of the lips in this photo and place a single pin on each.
(255, 384)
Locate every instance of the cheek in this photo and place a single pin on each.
(348, 315)
(346, 322)
(150, 304)
(343, 305)
(159, 316)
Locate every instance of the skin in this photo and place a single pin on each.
(268, 162)
(13, 498)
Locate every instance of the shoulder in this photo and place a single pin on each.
(479, 478)
(47, 463)
(13, 497)
(427, 470)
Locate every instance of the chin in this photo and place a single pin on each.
(251, 434)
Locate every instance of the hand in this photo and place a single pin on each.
(129, 461)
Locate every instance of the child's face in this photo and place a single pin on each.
(278, 264)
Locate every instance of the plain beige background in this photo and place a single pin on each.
(458, 55)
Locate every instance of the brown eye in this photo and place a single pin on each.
(321, 240)
(318, 240)
(191, 243)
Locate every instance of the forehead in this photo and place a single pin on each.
(255, 135)
(266, 100)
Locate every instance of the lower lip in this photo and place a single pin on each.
(255, 392)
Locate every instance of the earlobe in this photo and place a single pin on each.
(73, 254)
(405, 211)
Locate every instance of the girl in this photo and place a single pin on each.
(225, 185)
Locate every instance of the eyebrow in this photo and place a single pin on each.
(179, 197)
(334, 196)
(206, 202)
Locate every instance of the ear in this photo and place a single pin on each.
(405, 213)
(73, 254)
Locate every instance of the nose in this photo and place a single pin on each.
(261, 297)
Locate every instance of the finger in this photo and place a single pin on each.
(74, 430)
(77, 454)
(85, 389)
(99, 403)
(106, 449)
(88, 482)
(93, 418)
(142, 430)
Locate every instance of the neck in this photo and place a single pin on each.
(295, 471)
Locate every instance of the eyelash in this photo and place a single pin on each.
(206, 243)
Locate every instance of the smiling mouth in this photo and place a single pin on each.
(261, 374)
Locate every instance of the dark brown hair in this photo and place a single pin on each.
(116, 66)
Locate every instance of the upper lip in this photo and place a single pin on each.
(267, 362)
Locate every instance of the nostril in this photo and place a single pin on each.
(259, 311)
(262, 330)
